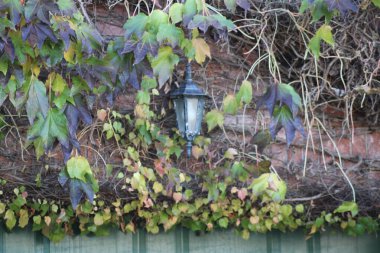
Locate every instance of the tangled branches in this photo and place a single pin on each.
(345, 76)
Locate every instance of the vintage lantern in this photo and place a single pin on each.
(189, 101)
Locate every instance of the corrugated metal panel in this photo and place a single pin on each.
(184, 241)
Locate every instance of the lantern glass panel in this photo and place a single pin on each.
(192, 108)
(201, 105)
(179, 108)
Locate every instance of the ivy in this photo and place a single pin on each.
(323, 33)
(54, 64)
(234, 208)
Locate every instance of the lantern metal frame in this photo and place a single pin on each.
(182, 97)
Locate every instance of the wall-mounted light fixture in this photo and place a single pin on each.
(189, 102)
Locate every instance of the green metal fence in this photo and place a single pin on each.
(184, 241)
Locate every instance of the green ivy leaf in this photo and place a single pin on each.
(143, 97)
(15, 9)
(214, 118)
(54, 126)
(230, 104)
(136, 25)
(300, 208)
(170, 33)
(323, 33)
(52, 53)
(304, 6)
(3, 96)
(286, 210)
(156, 19)
(319, 9)
(260, 184)
(148, 83)
(158, 187)
(188, 49)
(223, 21)
(66, 5)
(175, 12)
(78, 167)
(376, 3)
(37, 100)
(2, 208)
(98, 219)
(59, 84)
(245, 92)
(10, 219)
(189, 10)
(238, 171)
(277, 188)
(138, 182)
(61, 99)
(231, 5)
(223, 222)
(22, 48)
(348, 206)
(3, 64)
(164, 63)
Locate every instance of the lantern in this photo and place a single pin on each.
(189, 101)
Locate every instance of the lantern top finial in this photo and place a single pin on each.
(188, 87)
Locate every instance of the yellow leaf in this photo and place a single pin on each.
(254, 220)
(197, 152)
(313, 230)
(47, 220)
(201, 50)
(36, 70)
(24, 218)
(98, 219)
(69, 54)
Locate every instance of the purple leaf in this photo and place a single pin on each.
(44, 31)
(26, 32)
(87, 189)
(145, 69)
(269, 99)
(129, 46)
(283, 118)
(85, 115)
(76, 193)
(200, 21)
(243, 4)
(110, 98)
(14, 8)
(66, 33)
(123, 78)
(72, 115)
(140, 52)
(43, 16)
(283, 94)
(133, 79)
(10, 50)
(90, 80)
(62, 178)
(66, 153)
(342, 5)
